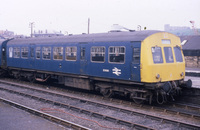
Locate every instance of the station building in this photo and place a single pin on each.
(191, 50)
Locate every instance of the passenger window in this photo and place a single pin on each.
(58, 53)
(10, 52)
(117, 54)
(98, 54)
(46, 53)
(24, 51)
(157, 55)
(16, 52)
(178, 54)
(168, 55)
(38, 50)
(71, 53)
(136, 55)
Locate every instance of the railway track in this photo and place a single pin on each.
(191, 110)
(45, 115)
(80, 110)
(130, 124)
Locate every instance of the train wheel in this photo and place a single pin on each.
(161, 97)
(138, 101)
(106, 93)
(18, 77)
(31, 79)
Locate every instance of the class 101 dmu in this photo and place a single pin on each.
(143, 65)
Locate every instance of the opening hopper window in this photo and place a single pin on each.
(71, 53)
(98, 54)
(24, 51)
(168, 55)
(178, 54)
(46, 53)
(117, 54)
(16, 51)
(157, 55)
(58, 53)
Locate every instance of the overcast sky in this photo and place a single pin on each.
(72, 15)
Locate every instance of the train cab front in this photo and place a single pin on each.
(163, 66)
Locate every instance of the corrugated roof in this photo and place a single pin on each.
(101, 37)
(192, 43)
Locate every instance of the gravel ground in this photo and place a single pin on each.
(67, 115)
(12, 118)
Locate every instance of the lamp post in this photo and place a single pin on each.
(31, 25)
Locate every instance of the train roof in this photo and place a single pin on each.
(1, 41)
(100, 37)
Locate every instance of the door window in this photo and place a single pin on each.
(38, 52)
(10, 52)
(136, 55)
(32, 52)
(82, 53)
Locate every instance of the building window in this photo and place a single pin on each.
(46, 53)
(38, 51)
(157, 55)
(136, 55)
(16, 52)
(98, 54)
(168, 55)
(71, 53)
(178, 54)
(24, 51)
(58, 53)
(10, 52)
(117, 54)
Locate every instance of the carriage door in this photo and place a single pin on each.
(3, 54)
(4, 63)
(135, 73)
(32, 56)
(83, 60)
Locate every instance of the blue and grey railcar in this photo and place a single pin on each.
(140, 64)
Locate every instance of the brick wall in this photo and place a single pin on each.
(192, 61)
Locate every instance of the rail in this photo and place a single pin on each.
(45, 115)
